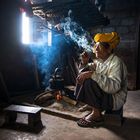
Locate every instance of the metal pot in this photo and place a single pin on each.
(56, 81)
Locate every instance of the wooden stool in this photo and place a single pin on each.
(34, 117)
(114, 117)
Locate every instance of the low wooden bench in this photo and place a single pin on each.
(34, 116)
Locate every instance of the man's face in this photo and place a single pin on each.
(100, 51)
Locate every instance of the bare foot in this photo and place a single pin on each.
(92, 116)
(85, 108)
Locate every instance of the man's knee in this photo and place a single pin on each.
(89, 82)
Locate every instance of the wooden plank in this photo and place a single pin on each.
(23, 109)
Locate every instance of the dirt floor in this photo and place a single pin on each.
(58, 128)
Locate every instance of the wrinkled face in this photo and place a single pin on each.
(101, 52)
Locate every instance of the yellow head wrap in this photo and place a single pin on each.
(111, 38)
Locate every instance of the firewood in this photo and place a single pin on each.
(70, 101)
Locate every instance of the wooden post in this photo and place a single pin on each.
(36, 72)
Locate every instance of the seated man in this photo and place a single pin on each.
(104, 85)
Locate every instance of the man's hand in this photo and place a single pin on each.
(83, 76)
(84, 58)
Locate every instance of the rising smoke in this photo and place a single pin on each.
(47, 57)
(76, 32)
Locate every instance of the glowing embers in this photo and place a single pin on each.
(58, 95)
(25, 29)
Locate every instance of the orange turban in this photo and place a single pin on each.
(111, 38)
